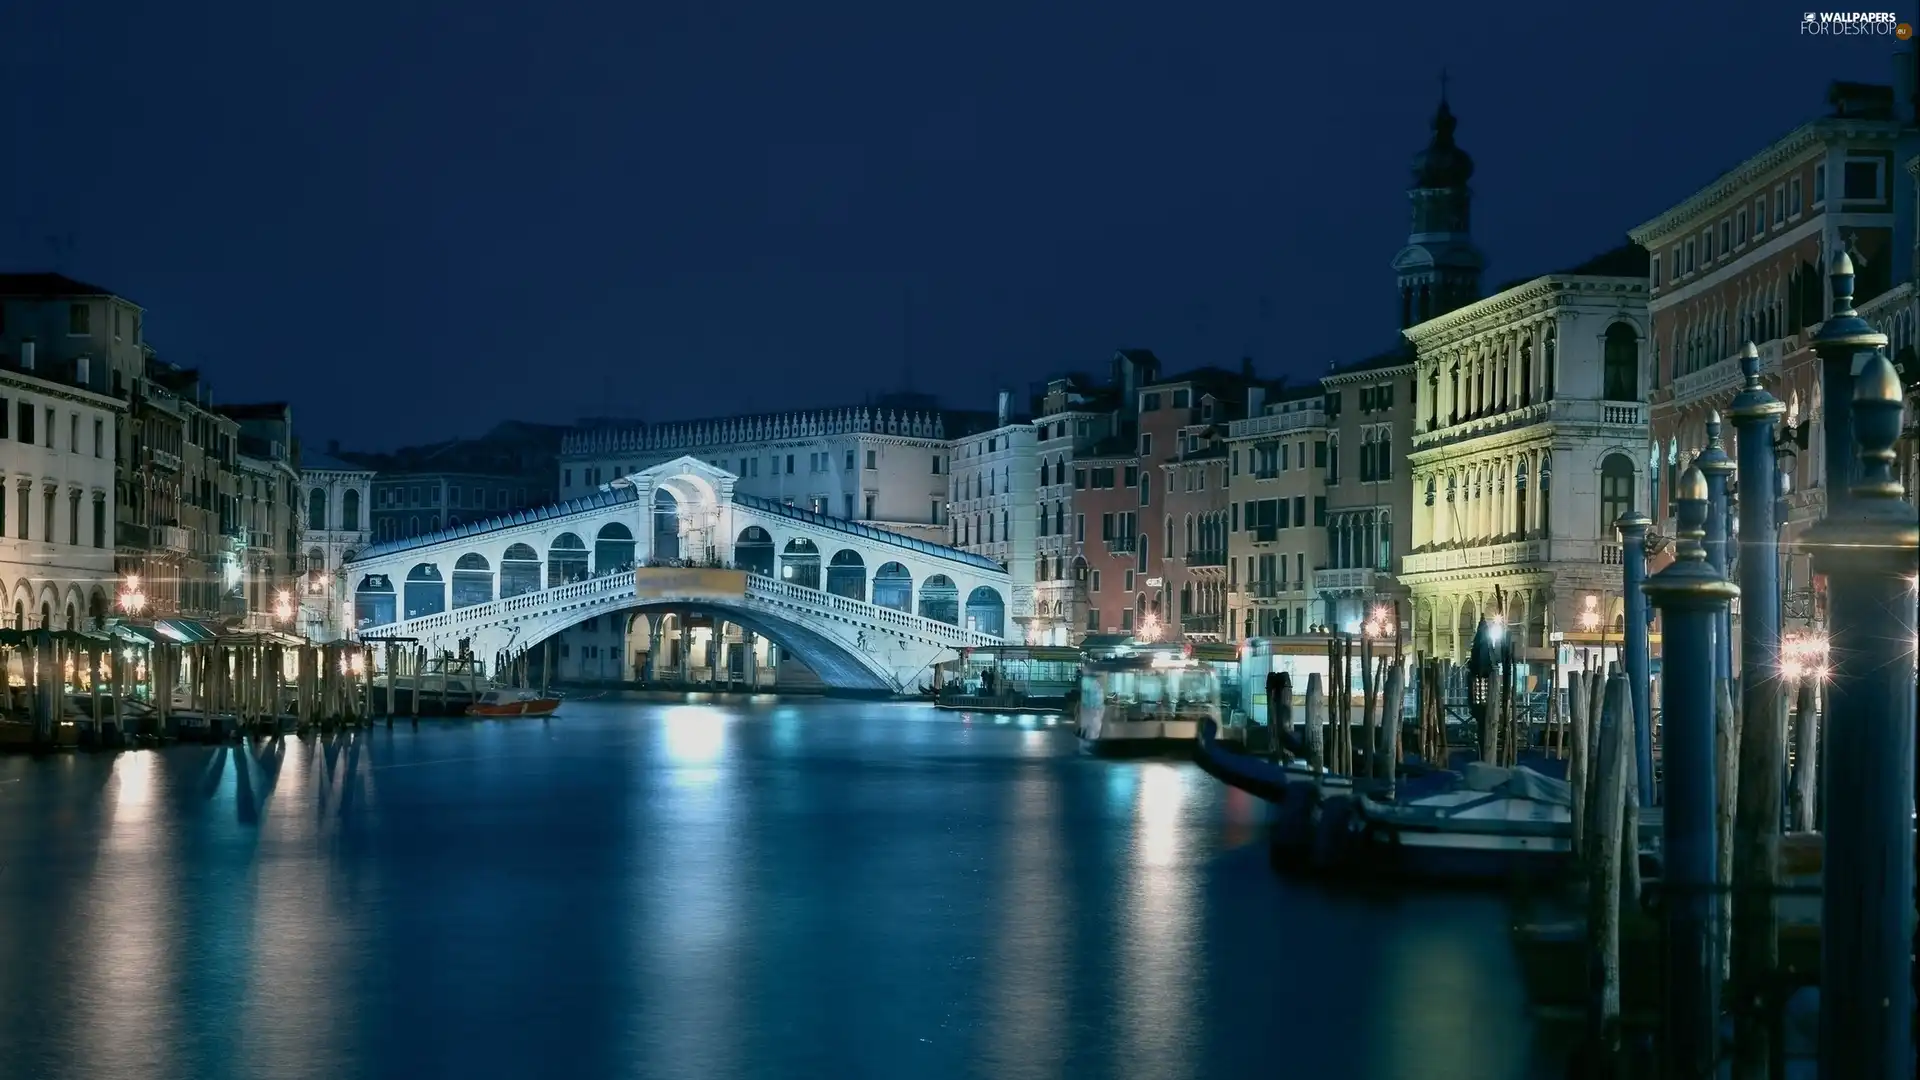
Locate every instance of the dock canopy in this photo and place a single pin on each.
(1057, 654)
(185, 631)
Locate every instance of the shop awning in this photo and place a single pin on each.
(185, 631)
(135, 634)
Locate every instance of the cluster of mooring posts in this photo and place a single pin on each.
(1736, 846)
(126, 684)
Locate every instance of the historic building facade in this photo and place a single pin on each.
(1073, 420)
(1531, 441)
(885, 465)
(175, 465)
(1276, 514)
(1369, 410)
(336, 496)
(56, 502)
(1746, 259)
(1182, 422)
(993, 511)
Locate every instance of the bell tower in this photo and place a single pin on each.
(1439, 269)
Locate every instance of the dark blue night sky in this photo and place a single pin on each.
(414, 218)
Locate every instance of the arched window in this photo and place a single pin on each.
(317, 509)
(350, 510)
(1620, 380)
(1616, 490)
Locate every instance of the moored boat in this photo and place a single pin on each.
(1145, 704)
(1492, 824)
(511, 702)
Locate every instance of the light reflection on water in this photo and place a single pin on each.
(126, 970)
(757, 889)
(1157, 901)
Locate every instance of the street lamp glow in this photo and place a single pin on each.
(1496, 628)
(283, 606)
(132, 600)
(1150, 628)
(1803, 656)
(1590, 614)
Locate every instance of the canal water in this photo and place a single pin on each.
(706, 890)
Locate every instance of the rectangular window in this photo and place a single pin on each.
(1861, 181)
(24, 429)
(1180, 399)
(789, 464)
(1146, 444)
(79, 320)
(1320, 453)
(1300, 510)
(1740, 228)
(73, 433)
(1760, 216)
(1080, 527)
(99, 521)
(1793, 197)
(1320, 510)
(1149, 403)
(1820, 184)
(1779, 205)
(1726, 235)
(73, 519)
(1678, 262)
(1706, 246)
(873, 459)
(46, 516)
(1691, 252)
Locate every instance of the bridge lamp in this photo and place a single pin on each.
(132, 600)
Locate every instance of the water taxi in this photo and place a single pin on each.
(512, 702)
(1145, 702)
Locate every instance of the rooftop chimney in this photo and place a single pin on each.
(1006, 402)
(26, 355)
(1256, 400)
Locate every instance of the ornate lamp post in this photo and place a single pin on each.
(1633, 526)
(1718, 468)
(1868, 552)
(1692, 597)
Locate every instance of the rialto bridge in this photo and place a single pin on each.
(865, 608)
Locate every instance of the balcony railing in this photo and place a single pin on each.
(1206, 558)
(1201, 624)
(1265, 590)
(1560, 411)
(1266, 534)
(1120, 545)
(1724, 374)
(1472, 558)
(260, 538)
(1277, 423)
(1352, 578)
(172, 538)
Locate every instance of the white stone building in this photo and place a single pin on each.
(336, 526)
(886, 467)
(56, 510)
(993, 501)
(1531, 438)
